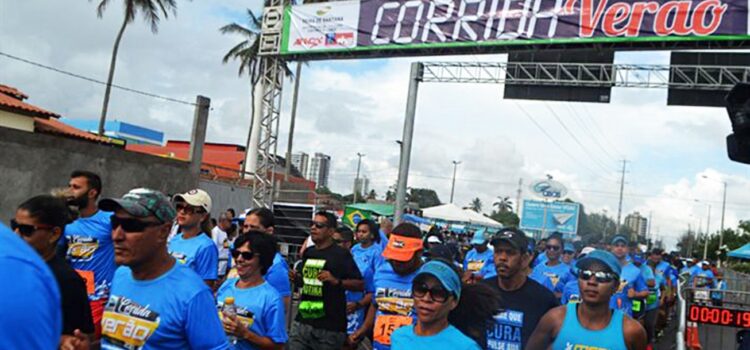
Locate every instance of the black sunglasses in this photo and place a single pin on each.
(553, 247)
(319, 224)
(26, 230)
(188, 209)
(437, 294)
(601, 276)
(131, 225)
(244, 255)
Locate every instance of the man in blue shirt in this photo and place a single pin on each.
(704, 277)
(632, 285)
(193, 246)
(32, 316)
(558, 272)
(87, 243)
(155, 302)
(478, 256)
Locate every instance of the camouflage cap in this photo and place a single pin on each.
(142, 202)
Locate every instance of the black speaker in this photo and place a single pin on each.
(738, 109)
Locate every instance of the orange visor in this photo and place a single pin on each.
(402, 248)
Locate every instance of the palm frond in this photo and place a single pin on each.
(235, 28)
(101, 7)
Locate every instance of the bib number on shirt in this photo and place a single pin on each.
(88, 278)
(386, 324)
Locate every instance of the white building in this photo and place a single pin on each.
(301, 161)
(637, 224)
(320, 166)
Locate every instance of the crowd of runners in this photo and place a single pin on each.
(146, 271)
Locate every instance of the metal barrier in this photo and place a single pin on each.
(681, 315)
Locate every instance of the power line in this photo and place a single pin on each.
(92, 80)
(577, 117)
(596, 125)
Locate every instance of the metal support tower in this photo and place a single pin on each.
(271, 77)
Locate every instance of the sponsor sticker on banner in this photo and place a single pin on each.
(323, 26)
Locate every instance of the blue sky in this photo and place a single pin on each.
(358, 106)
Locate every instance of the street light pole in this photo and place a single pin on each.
(708, 232)
(453, 184)
(359, 163)
(723, 208)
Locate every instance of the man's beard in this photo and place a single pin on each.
(80, 202)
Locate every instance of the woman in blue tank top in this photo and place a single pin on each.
(590, 324)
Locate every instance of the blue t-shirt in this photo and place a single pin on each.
(278, 276)
(703, 278)
(259, 307)
(30, 300)
(571, 293)
(364, 262)
(540, 259)
(449, 338)
(91, 252)
(173, 311)
(720, 286)
(371, 256)
(393, 304)
(198, 253)
(558, 274)
(383, 240)
(544, 280)
(664, 270)
(475, 260)
(652, 301)
(630, 278)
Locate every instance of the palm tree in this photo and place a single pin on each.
(151, 10)
(503, 204)
(476, 205)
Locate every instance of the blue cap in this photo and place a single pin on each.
(618, 239)
(568, 247)
(445, 274)
(479, 237)
(601, 256)
(638, 259)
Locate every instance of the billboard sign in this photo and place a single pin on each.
(561, 216)
(548, 189)
(425, 24)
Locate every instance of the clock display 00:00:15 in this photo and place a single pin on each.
(719, 316)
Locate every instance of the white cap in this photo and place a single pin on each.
(196, 198)
(434, 239)
(586, 250)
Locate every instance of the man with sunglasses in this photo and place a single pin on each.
(632, 283)
(327, 272)
(591, 324)
(192, 246)
(87, 243)
(523, 301)
(556, 271)
(155, 303)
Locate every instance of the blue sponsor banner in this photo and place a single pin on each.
(561, 216)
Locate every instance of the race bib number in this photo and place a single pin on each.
(126, 324)
(81, 249)
(88, 278)
(386, 324)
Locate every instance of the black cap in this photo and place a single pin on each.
(515, 237)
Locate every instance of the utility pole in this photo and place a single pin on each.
(356, 190)
(453, 185)
(518, 197)
(708, 232)
(648, 229)
(622, 187)
(293, 117)
(721, 233)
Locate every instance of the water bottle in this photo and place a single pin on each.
(229, 309)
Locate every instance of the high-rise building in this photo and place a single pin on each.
(301, 161)
(637, 224)
(362, 185)
(320, 166)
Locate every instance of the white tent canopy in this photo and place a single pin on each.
(452, 213)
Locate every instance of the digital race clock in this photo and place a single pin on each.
(719, 316)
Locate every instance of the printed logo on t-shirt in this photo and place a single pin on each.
(505, 334)
(574, 298)
(394, 301)
(553, 277)
(126, 324)
(81, 249)
(181, 258)
(475, 265)
(312, 288)
(571, 346)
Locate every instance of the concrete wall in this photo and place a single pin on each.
(16, 121)
(32, 163)
(225, 195)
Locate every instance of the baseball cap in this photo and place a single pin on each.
(516, 238)
(568, 247)
(196, 198)
(619, 239)
(638, 258)
(479, 237)
(401, 248)
(585, 251)
(142, 202)
(434, 239)
(601, 256)
(443, 273)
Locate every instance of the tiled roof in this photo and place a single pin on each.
(13, 92)
(54, 126)
(14, 105)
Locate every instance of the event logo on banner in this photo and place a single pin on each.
(560, 216)
(376, 24)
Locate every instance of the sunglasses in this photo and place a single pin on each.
(188, 209)
(437, 294)
(319, 225)
(131, 225)
(26, 230)
(245, 255)
(553, 247)
(601, 276)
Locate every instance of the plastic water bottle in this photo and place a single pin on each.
(229, 309)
